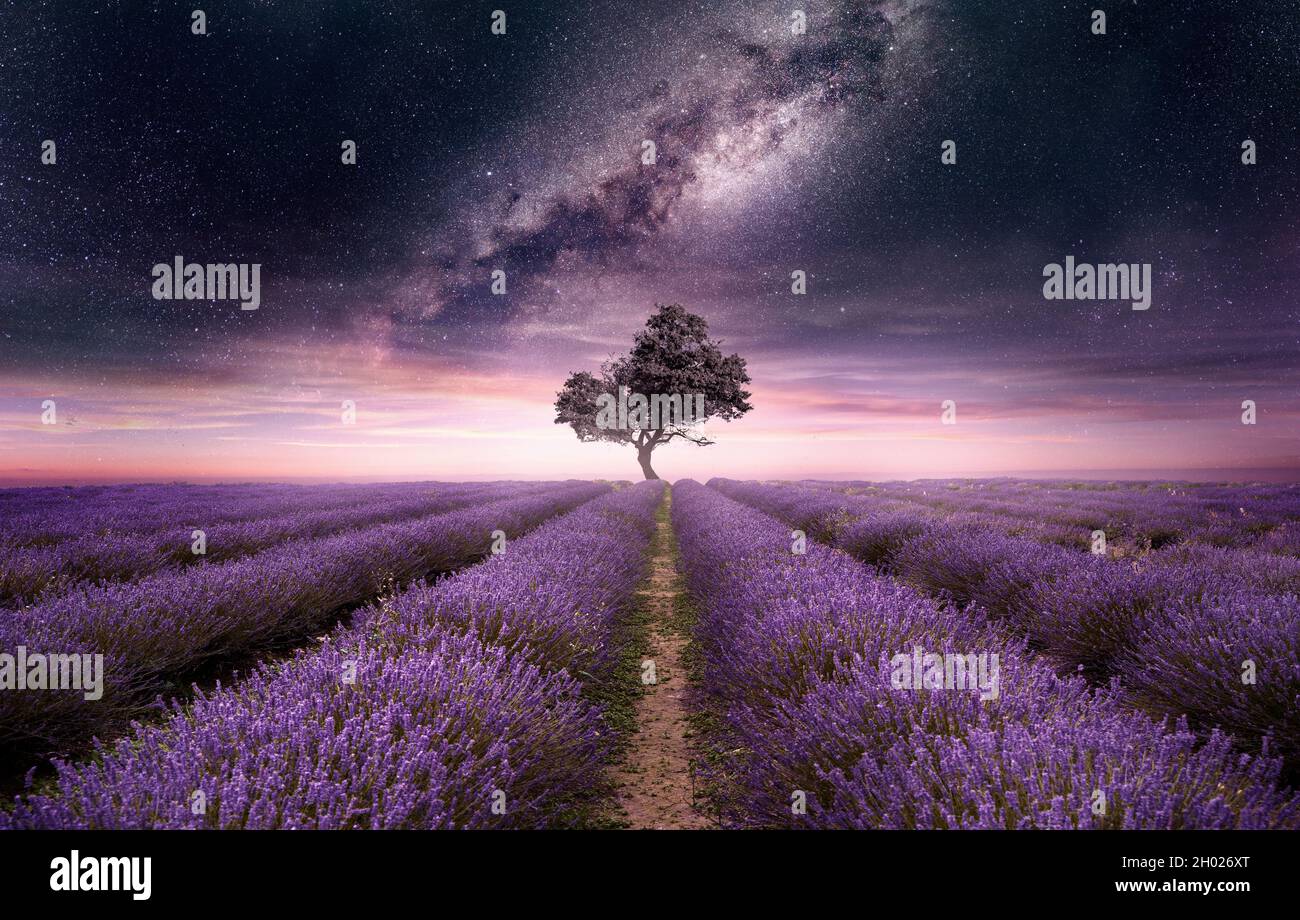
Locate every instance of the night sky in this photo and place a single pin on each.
(522, 152)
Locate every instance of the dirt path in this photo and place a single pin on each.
(654, 779)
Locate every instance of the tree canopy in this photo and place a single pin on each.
(673, 362)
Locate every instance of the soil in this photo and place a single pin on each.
(655, 784)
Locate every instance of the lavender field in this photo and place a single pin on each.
(945, 654)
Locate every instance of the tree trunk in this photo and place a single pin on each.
(643, 458)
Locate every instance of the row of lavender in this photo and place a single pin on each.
(1135, 516)
(1195, 631)
(459, 704)
(810, 725)
(825, 512)
(167, 626)
(1159, 504)
(32, 571)
(46, 516)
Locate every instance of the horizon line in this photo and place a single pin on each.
(1150, 474)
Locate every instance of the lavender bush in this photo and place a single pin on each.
(1086, 612)
(169, 624)
(29, 571)
(797, 651)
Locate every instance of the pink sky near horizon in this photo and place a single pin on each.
(444, 421)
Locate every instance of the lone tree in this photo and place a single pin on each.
(673, 380)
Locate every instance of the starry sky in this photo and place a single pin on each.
(522, 152)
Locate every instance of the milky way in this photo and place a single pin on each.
(729, 112)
